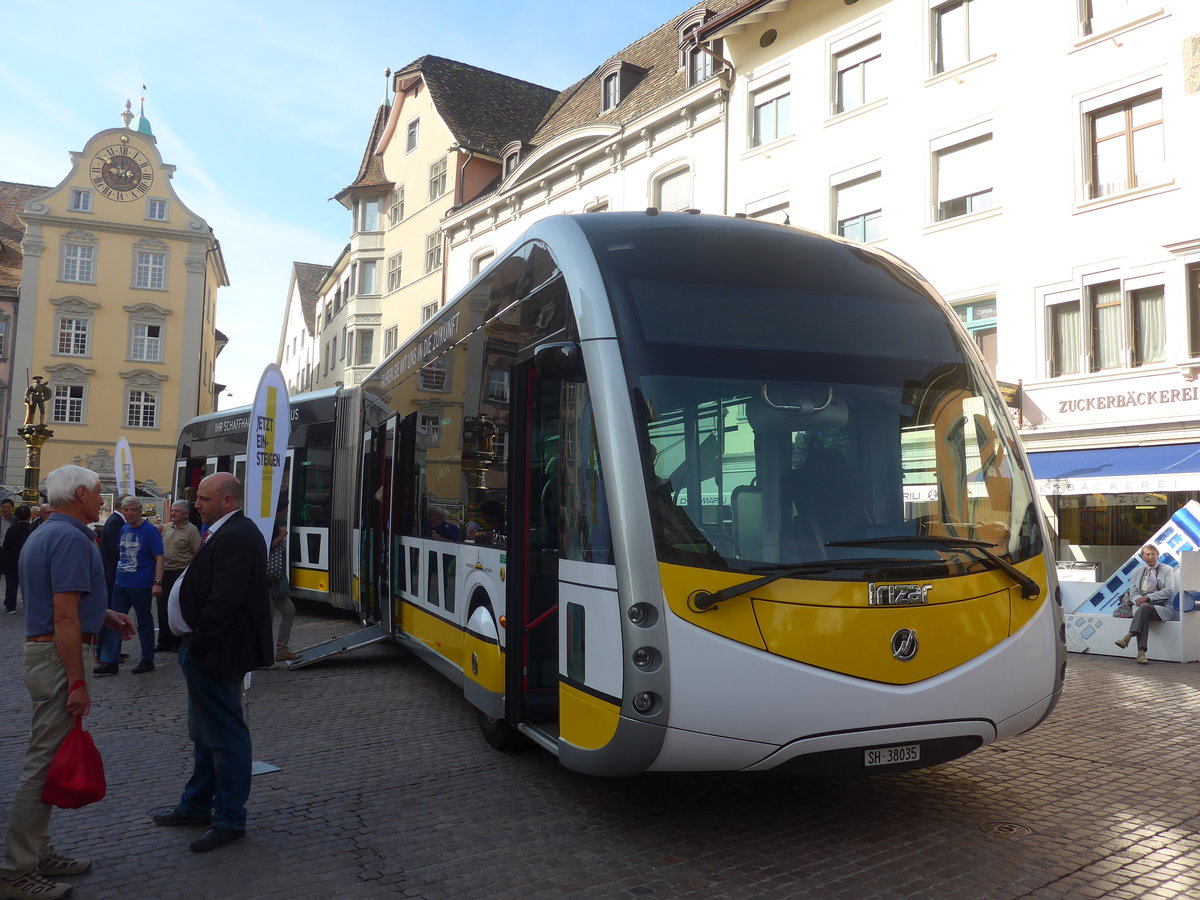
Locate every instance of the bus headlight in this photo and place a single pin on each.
(641, 614)
(645, 657)
(645, 702)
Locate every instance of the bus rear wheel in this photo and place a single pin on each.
(499, 734)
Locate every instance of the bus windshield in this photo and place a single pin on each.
(793, 413)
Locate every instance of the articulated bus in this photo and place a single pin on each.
(671, 492)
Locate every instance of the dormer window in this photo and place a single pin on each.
(616, 81)
(699, 60)
(511, 155)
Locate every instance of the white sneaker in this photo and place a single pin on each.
(31, 884)
(54, 863)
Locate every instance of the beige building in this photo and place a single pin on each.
(437, 143)
(118, 301)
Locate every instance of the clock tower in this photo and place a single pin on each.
(118, 308)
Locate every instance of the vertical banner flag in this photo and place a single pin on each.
(266, 450)
(123, 464)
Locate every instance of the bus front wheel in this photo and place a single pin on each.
(499, 734)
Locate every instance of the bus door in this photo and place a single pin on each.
(535, 511)
(370, 520)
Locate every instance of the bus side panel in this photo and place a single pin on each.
(590, 654)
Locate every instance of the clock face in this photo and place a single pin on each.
(121, 173)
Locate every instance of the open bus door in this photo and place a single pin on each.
(532, 646)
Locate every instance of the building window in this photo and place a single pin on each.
(367, 277)
(146, 343)
(964, 175)
(497, 387)
(433, 252)
(391, 340)
(394, 271)
(673, 192)
(858, 209)
(857, 75)
(430, 425)
(598, 206)
(411, 136)
(428, 311)
(3, 337)
(1097, 16)
(1193, 296)
(433, 376)
(141, 409)
(368, 214)
(611, 91)
(962, 33)
(480, 262)
(771, 117)
(73, 336)
(511, 160)
(81, 201)
(1127, 146)
(67, 407)
(979, 317)
(699, 59)
(366, 348)
(437, 179)
(396, 206)
(1120, 325)
(79, 263)
(151, 270)
(157, 210)
(500, 447)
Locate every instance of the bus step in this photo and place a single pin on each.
(370, 635)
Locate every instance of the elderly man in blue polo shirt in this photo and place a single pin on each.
(66, 605)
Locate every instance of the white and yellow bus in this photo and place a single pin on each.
(671, 492)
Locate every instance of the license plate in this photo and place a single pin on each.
(890, 756)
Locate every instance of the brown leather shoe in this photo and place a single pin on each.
(286, 656)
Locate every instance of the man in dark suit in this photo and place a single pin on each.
(220, 611)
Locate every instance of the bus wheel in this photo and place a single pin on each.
(499, 734)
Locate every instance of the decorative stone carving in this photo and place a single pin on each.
(101, 462)
(151, 244)
(147, 312)
(81, 237)
(142, 378)
(68, 373)
(73, 306)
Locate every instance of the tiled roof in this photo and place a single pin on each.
(657, 53)
(370, 170)
(308, 279)
(483, 110)
(12, 201)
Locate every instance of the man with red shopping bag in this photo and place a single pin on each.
(66, 605)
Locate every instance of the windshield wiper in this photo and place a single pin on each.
(1030, 589)
(703, 601)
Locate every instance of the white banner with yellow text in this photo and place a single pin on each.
(266, 450)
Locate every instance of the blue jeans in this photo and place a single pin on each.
(141, 599)
(221, 743)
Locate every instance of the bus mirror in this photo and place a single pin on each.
(563, 361)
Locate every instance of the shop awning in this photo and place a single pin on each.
(1118, 470)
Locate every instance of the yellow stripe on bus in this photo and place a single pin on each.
(586, 722)
(310, 579)
(442, 637)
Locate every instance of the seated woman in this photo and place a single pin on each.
(1150, 592)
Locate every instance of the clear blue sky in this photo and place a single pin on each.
(265, 109)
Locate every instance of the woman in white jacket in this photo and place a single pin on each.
(1151, 591)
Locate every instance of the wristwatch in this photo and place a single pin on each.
(159, 583)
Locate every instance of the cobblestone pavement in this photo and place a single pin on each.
(385, 789)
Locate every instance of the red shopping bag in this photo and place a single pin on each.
(76, 774)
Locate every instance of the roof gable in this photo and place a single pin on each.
(13, 198)
(484, 110)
